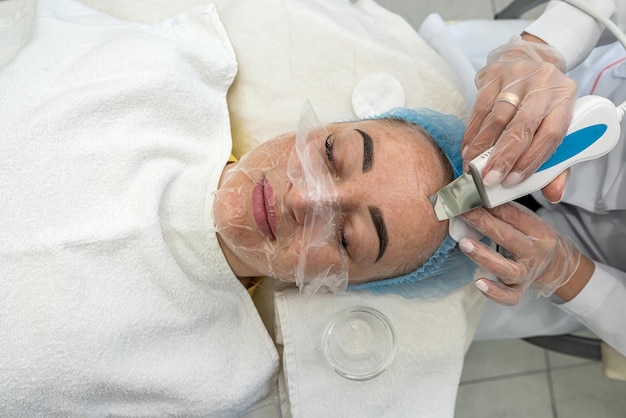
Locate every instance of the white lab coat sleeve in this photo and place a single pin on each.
(572, 31)
(601, 306)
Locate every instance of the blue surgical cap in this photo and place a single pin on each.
(448, 268)
(446, 130)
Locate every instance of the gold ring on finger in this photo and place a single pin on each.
(508, 97)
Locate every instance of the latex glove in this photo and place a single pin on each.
(525, 136)
(539, 258)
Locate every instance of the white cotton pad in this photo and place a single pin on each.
(377, 93)
(458, 230)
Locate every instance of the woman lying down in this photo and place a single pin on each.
(128, 238)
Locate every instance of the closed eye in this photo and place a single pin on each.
(342, 235)
(328, 147)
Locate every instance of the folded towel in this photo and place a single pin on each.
(320, 51)
(432, 336)
(115, 298)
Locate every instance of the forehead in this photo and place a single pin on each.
(396, 141)
(407, 169)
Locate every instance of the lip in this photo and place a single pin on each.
(263, 209)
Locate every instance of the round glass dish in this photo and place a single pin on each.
(359, 343)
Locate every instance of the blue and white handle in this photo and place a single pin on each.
(594, 131)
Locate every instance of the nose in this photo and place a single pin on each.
(298, 202)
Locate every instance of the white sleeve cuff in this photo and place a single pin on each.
(570, 30)
(601, 285)
(601, 306)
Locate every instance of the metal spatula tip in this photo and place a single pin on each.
(438, 207)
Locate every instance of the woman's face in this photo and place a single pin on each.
(383, 223)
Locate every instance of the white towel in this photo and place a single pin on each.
(292, 50)
(320, 51)
(115, 298)
(16, 26)
(422, 380)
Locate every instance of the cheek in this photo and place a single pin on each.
(322, 261)
(300, 255)
(268, 155)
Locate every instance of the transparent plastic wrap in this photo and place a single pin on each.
(305, 248)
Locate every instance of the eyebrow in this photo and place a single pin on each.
(381, 230)
(368, 150)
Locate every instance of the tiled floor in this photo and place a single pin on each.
(512, 378)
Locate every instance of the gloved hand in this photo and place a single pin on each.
(539, 258)
(529, 118)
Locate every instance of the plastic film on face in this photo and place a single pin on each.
(301, 196)
(323, 263)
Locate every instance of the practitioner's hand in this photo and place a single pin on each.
(524, 106)
(538, 258)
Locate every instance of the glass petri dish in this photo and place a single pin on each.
(359, 343)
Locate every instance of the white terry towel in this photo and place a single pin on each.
(17, 19)
(292, 50)
(432, 336)
(115, 299)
